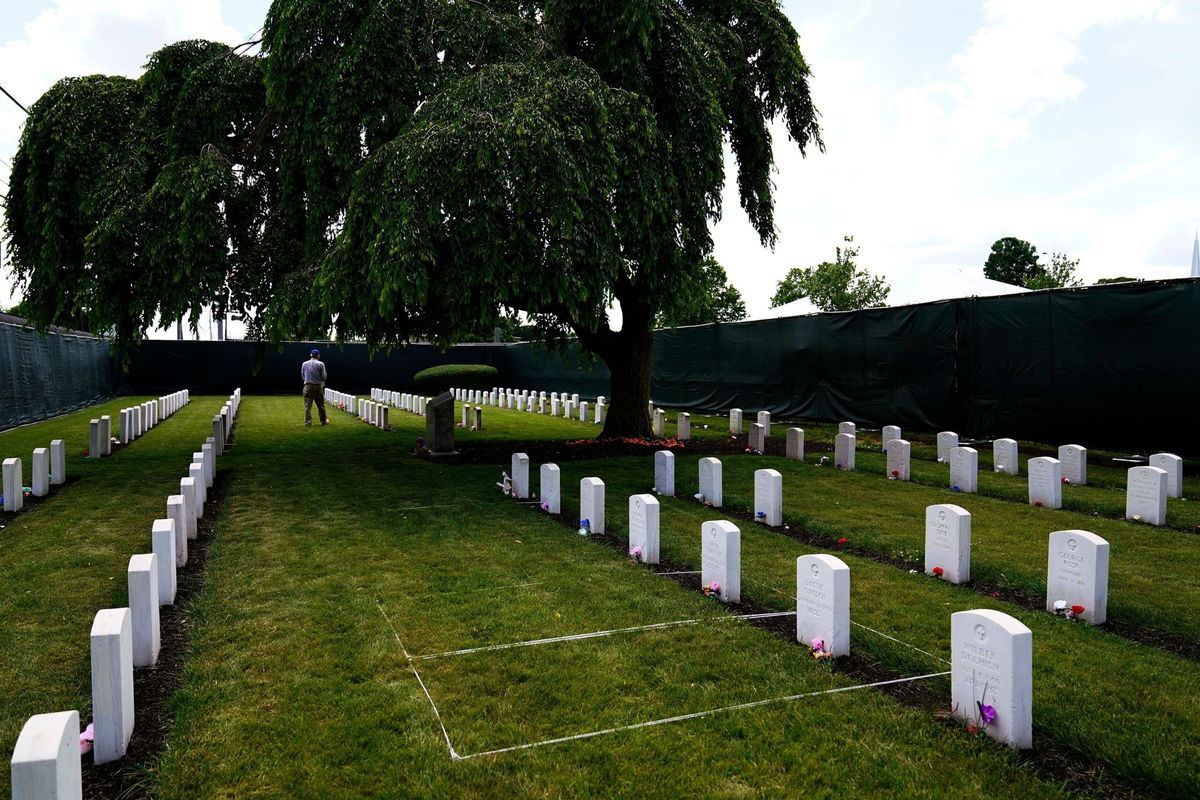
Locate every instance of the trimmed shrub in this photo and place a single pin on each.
(435, 380)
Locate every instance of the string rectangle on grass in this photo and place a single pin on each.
(455, 755)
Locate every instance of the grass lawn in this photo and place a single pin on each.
(342, 568)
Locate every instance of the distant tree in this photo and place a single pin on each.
(718, 301)
(1060, 274)
(1013, 261)
(1103, 281)
(834, 286)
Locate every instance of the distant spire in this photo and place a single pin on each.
(1196, 257)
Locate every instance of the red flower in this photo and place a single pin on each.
(895, 473)
(938, 571)
(842, 542)
(1076, 609)
(83, 452)
(1037, 502)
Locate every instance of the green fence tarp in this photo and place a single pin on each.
(1105, 366)
(43, 376)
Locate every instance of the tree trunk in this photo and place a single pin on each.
(627, 355)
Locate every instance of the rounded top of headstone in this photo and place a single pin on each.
(819, 562)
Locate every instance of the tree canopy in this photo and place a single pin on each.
(1013, 261)
(837, 285)
(717, 301)
(389, 169)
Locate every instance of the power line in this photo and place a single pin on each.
(15, 100)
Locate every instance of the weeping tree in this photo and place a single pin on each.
(133, 201)
(417, 167)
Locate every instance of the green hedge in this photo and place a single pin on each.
(436, 380)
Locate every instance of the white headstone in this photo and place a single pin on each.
(1004, 457)
(823, 603)
(964, 469)
(721, 559)
(94, 438)
(554, 406)
(794, 444)
(948, 542)
(520, 476)
(946, 441)
(591, 503)
(466, 416)
(992, 666)
(112, 683)
(45, 760)
(899, 459)
(58, 462)
(39, 468)
(664, 473)
(583, 411)
(478, 418)
(660, 423)
(683, 426)
(1173, 466)
(177, 513)
(711, 487)
(549, 488)
(768, 497)
(1146, 495)
(1077, 575)
(196, 473)
(106, 435)
(210, 464)
(143, 603)
(888, 433)
(1045, 482)
(764, 419)
(848, 427)
(1074, 463)
(14, 491)
(735, 421)
(643, 528)
(757, 440)
(187, 488)
(162, 542)
(843, 452)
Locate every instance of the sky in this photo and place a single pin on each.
(948, 124)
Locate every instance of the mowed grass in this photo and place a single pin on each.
(337, 554)
(65, 558)
(1113, 702)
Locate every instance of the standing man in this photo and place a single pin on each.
(312, 372)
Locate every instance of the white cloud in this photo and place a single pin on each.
(933, 170)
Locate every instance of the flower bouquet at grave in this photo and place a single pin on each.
(712, 590)
(585, 527)
(760, 516)
(421, 448)
(819, 651)
(938, 572)
(635, 555)
(1069, 612)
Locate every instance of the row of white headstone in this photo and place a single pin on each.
(48, 467)
(135, 421)
(992, 660)
(46, 759)
(1147, 488)
(412, 403)
(564, 405)
(1076, 566)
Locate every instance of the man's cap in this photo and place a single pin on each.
(314, 352)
